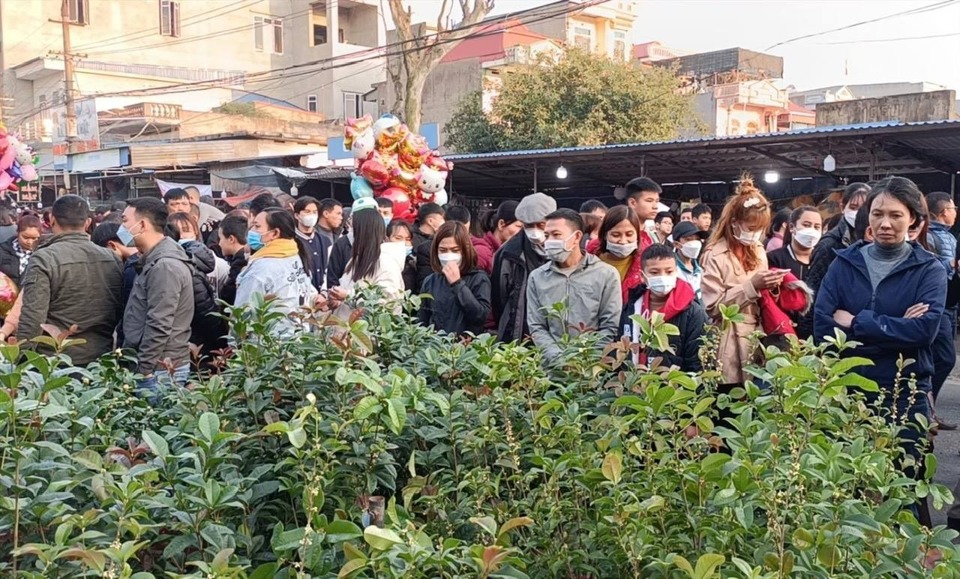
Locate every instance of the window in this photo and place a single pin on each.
(319, 34)
(268, 34)
(352, 105)
(169, 18)
(583, 37)
(620, 44)
(312, 103)
(79, 11)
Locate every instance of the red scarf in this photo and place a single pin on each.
(794, 297)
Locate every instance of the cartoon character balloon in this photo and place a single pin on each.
(362, 145)
(360, 187)
(16, 162)
(8, 294)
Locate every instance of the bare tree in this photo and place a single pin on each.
(420, 52)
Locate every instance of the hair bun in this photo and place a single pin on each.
(746, 186)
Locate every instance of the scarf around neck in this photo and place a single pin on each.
(278, 248)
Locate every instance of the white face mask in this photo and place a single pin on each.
(650, 226)
(557, 249)
(691, 249)
(621, 249)
(309, 220)
(535, 235)
(749, 237)
(807, 237)
(850, 216)
(661, 284)
(446, 258)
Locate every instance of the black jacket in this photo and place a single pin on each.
(318, 247)
(459, 308)
(9, 262)
(512, 265)
(824, 253)
(228, 292)
(421, 250)
(206, 330)
(339, 258)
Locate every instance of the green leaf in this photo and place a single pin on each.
(397, 415)
(803, 539)
(515, 523)
(340, 530)
(856, 380)
(684, 565)
(178, 545)
(350, 567)
(265, 571)
(209, 425)
(652, 503)
(89, 459)
(612, 467)
(440, 400)
(286, 540)
(381, 539)
(707, 565)
(844, 365)
(297, 437)
(221, 561)
(366, 407)
(488, 524)
(157, 444)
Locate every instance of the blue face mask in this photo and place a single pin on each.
(125, 237)
(184, 242)
(387, 220)
(409, 250)
(253, 240)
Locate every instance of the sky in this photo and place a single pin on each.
(853, 56)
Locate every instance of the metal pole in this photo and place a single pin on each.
(535, 177)
(71, 112)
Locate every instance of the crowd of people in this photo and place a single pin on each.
(151, 275)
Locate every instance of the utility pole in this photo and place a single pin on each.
(71, 113)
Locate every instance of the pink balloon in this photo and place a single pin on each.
(28, 172)
(401, 201)
(9, 156)
(6, 180)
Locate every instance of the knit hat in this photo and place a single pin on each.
(535, 208)
(364, 203)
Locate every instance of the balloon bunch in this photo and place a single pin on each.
(17, 163)
(395, 163)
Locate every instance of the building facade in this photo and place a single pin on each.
(849, 92)
(749, 108)
(197, 55)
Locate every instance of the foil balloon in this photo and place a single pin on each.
(431, 180)
(29, 173)
(412, 152)
(355, 127)
(388, 132)
(363, 145)
(360, 187)
(378, 169)
(8, 294)
(399, 197)
(406, 180)
(410, 215)
(440, 197)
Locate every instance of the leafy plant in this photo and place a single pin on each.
(373, 447)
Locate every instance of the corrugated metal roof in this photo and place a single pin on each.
(786, 135)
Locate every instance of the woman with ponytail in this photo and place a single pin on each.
(277, 264)
(735, 272)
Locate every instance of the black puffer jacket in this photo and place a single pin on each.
(459, 308)
(9, 262)
(824, 253)
(207, 331)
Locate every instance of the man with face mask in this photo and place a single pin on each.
(70, 281)
(687, 244)
(673, 298)
(307, 212)
(587, 288)
(513, 263)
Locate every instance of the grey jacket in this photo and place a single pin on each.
(590, 294)
(157, 320)
(72, 281)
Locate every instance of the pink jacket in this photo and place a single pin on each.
(486, 247)
(726, 282)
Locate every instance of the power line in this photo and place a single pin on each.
(203, 17)
(355, 57)
(900, 39)
(912, 11)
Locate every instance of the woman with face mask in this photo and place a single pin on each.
(687, 246)
(400, 232)
(618, 245)
(459, 290)
(803, 233)
(735, 271)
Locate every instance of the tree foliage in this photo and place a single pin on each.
(583, 99)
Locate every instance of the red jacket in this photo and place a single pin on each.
(486, 247)
(794, 297)
(634, 275)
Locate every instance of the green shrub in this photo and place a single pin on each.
(377, 448)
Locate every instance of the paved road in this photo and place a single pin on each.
(947, 443)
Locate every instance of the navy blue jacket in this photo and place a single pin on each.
(878, 323)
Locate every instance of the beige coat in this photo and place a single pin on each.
(726, 282)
